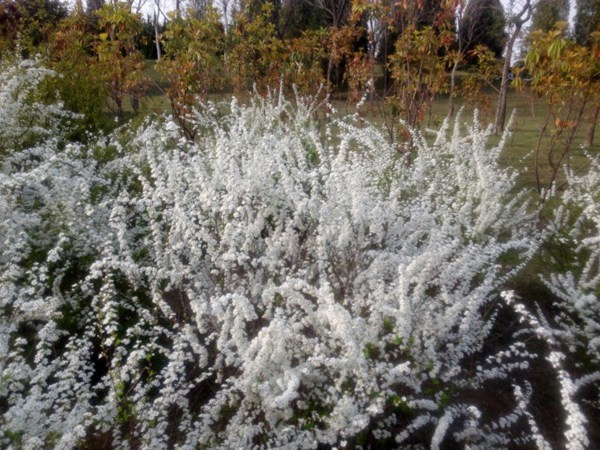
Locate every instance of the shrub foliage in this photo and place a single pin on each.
(275, 284)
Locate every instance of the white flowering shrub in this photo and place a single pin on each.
(572, 333)
(268, 285)
(571, 330)
(25, 118)
(577, 282)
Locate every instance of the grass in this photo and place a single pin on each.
(529, 116)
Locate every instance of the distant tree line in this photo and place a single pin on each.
(407, 53)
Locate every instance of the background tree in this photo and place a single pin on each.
(39, 19)
(479, 39)
(198, 8)
(159, 20)
(417, 14)
(478, 85)
(10, 18)
(228, 10)
(193, 61)
(467, 33)
(337, 11)
(342, 45)
(303, 65)
(91, 9)
(92, 6)
(401, 16)
(566, 76)
(547, 13)
(81, 84)
(483, 23)
(518, 15)
(587, 20)
(148, 41)
(121, 62)
(135, 6)
(298, 16)
(374, 17)
(252, 9)
(255, 53)
(29, 22)
(419, 71)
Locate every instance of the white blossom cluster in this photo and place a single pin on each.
(269, 285)
(24, 117)
(577, 284)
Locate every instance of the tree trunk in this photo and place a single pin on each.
(372, 62)
(517, 21)
(329, 72)
(501, 108)
(457, 60)
(119, 104)
(589, 134)
(135, 103)
(452, 89)
(156, 37)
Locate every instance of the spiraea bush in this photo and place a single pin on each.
(268, 285)
(572, 330)
(577, 281)
(25, 119)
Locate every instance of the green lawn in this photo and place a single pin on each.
(525, 132)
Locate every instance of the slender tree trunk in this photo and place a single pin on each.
(117, 98)
(156, 37)
(589, 134)
(372, 63)
(452, 89)
(385, 63)
(517, 21)
(457, 59)
(135, 103)
(501, 107)
(329, 72)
